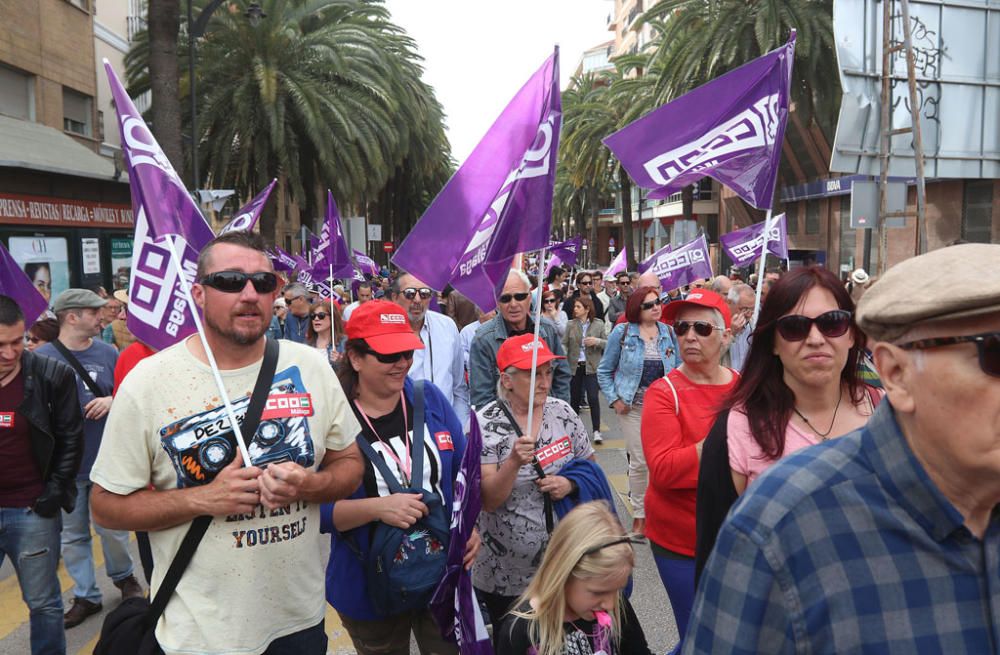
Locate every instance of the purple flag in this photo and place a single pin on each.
(744, 246)
(332, 248)
(246, 217)
(498, 204)
(454, 605)
(366, 264)
(618, 264)
(564, 253)
(282, 260)
(16, 284)
(677, 267)
(730, 129)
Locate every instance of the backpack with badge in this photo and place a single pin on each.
(403, 566)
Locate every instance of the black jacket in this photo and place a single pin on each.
(598, 305)
(52, 409)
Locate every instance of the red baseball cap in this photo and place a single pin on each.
(384, 326)
(698, 298)
(516, 352)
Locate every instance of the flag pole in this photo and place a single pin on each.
(333, 332)
(760, 270)
(230, 413)
(534, 342)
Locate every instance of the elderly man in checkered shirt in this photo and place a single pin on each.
(886, 540)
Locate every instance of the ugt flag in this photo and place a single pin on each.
(454, 603)
(15, 284)
(158, 312)
(679, 266)
(745, 245)
(730, 129)
(564, 253)
(246, 217)
(332, 252)
(498, 204)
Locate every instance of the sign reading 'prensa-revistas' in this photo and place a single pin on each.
(18, 209)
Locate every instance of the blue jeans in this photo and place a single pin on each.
(78, 553)
(32, 543)
(677, 576)
(311, 641)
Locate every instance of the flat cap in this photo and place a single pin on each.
(78, 299)
(922, 289)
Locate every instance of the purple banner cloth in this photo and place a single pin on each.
(16, 284)
(331, 248)
(744, 246)
(730, 129)
(680, 266)
(618, 264)
(246, 217)
(366, 265)
(282, 260)
(454, 605)
(158, 312)
(564, 253)
(498, 203)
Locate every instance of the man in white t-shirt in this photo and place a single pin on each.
(364, 295)
(256, 582)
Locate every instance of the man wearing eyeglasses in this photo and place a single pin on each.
(441, 360)
(616, 304)
(884, 540)
(514, 317)
(297, 319)
(584, 287)
(256, 581)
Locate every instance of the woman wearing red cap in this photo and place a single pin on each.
(378, 355)
(517, 511)
(679, 410)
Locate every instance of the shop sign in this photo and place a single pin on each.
(40, 211)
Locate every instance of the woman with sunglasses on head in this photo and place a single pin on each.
(378, 354)
(639, 352)
(574, 604)
(318, 334)
(679, 410)
(551, 301)
(584, 342)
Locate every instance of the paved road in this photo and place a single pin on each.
(648, 596)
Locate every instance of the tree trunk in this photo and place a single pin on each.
(687, 202)
(164, 25)
(626, 190)
(595, 213)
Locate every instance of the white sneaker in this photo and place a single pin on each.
(597, 437)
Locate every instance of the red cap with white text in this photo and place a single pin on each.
(699, 298)
(384, 326)
(516, 352)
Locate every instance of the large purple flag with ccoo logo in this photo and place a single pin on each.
(16, 284)
(498, 204)
(246, 217)
(564, 253)
(730, 129)
(158, 312)
(679, 266)
(454, 603)
(744, 246)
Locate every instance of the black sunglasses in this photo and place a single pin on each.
(392, 358)
(507, 297)
(701, 328)
(652, 303)
(236, 281)
(319, 315)
(549, 301)
(586, 283)
(830, 324)
(411, 293)
(987, 345)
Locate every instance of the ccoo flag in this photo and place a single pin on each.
(730, 129)
(332, 250)
(366, 265)
(564, 253)
(246, 217)
(158, 314)
(498, 204)
(677, 267)
(16, 285)
(618, 264)
(744, 246)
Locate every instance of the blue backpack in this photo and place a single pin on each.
(403, 567)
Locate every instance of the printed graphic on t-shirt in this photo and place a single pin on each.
(6, 420)
(201, 445)
(554, 451)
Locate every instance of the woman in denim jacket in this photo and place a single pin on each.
(639, 352)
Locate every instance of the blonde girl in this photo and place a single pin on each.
(574, 604)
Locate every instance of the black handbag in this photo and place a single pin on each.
(129, 629)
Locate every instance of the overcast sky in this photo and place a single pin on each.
(478, 53)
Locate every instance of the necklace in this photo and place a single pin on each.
(822, 435)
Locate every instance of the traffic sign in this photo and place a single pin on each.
(611, 243)
(388, 246)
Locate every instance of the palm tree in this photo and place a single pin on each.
(160, 45)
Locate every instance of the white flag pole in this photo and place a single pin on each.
(760, 270)
(234, 423)
(535, 342)
(333, 333)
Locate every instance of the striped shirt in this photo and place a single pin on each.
(849, 547)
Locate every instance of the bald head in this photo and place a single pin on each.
(648, 279)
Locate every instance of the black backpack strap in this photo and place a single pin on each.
(80, 371)
(379, 463)
(549, 519)
(200, 525)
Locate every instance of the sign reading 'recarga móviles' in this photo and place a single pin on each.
(59, 212)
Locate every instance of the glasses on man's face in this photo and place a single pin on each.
(412, 292)
(586, 283)
(318, 316)
(623, 283)
(390, 358)
(830, 324)
(701, 328)
(651, 304)
(236, 281)
(987, 346)
(507, 297)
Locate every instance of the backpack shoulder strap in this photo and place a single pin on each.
(78, 367)
(673, 390)
(379, 463)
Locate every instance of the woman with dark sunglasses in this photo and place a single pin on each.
(318, 334)
(551, 301)
(802, 384)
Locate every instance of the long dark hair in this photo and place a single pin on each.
(346, 374)
(761, 390)
(335, 318)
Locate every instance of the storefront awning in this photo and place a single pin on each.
(24, 144)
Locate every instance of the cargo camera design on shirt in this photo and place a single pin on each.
(201, 445)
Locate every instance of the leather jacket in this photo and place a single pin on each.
(52, 409)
